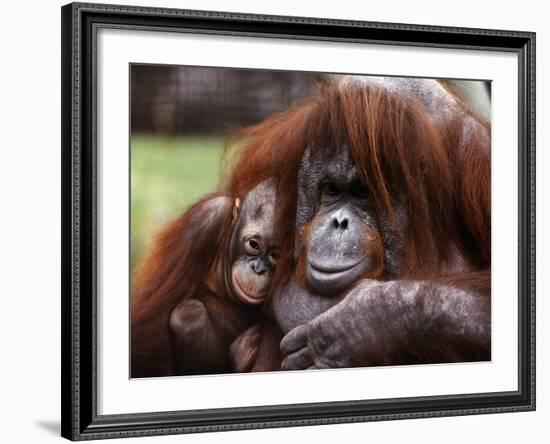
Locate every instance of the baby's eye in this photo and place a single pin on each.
(252, 247)
(274, 257)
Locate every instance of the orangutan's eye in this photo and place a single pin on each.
(274, 257)
(359, 190)
(252, 247)
(330, 190)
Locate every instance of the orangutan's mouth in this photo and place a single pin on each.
(326, 269)
(249, 295)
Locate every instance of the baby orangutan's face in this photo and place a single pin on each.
(253, 251)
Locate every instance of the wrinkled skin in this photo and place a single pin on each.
(388, 323)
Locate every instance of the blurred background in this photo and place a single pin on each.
(180, 116)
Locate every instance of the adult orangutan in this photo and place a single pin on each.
(385, 179)
(202, 285)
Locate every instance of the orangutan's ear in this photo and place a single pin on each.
(236, 210)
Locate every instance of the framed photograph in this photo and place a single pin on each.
(280, 221)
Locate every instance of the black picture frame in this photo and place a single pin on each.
(79, 211)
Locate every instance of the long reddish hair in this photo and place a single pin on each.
(176, 267)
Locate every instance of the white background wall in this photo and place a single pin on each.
(30, 220)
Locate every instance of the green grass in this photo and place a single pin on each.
(167, 175)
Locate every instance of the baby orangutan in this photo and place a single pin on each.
(204, 325)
